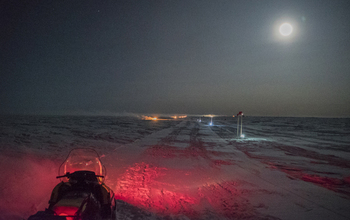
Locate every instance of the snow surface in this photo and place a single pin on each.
(284, 168)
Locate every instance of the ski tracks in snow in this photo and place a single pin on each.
(188, 171)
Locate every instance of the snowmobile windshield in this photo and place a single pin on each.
(82, 159)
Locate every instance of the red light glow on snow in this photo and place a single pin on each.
(29, 182)
(331, 183)
(143, 185)
(340, 184)
(334, 184)
(139, 186)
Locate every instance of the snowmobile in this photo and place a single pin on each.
(81, 194)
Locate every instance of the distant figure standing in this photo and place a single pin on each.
(239, 118)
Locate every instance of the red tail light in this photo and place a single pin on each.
(69, 211)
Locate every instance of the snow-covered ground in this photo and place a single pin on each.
(284, 168)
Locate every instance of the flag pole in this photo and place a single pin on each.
(237, 125)
(241, 124)
(239, 130)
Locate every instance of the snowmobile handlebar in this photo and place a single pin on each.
(69, 175)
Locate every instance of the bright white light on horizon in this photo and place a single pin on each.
(242, 136)
(286, 29)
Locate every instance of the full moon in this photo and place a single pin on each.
(286, 29)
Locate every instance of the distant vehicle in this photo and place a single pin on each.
(81, 195)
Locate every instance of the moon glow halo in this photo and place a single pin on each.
(286, 29)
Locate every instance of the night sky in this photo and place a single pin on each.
(185, 57)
